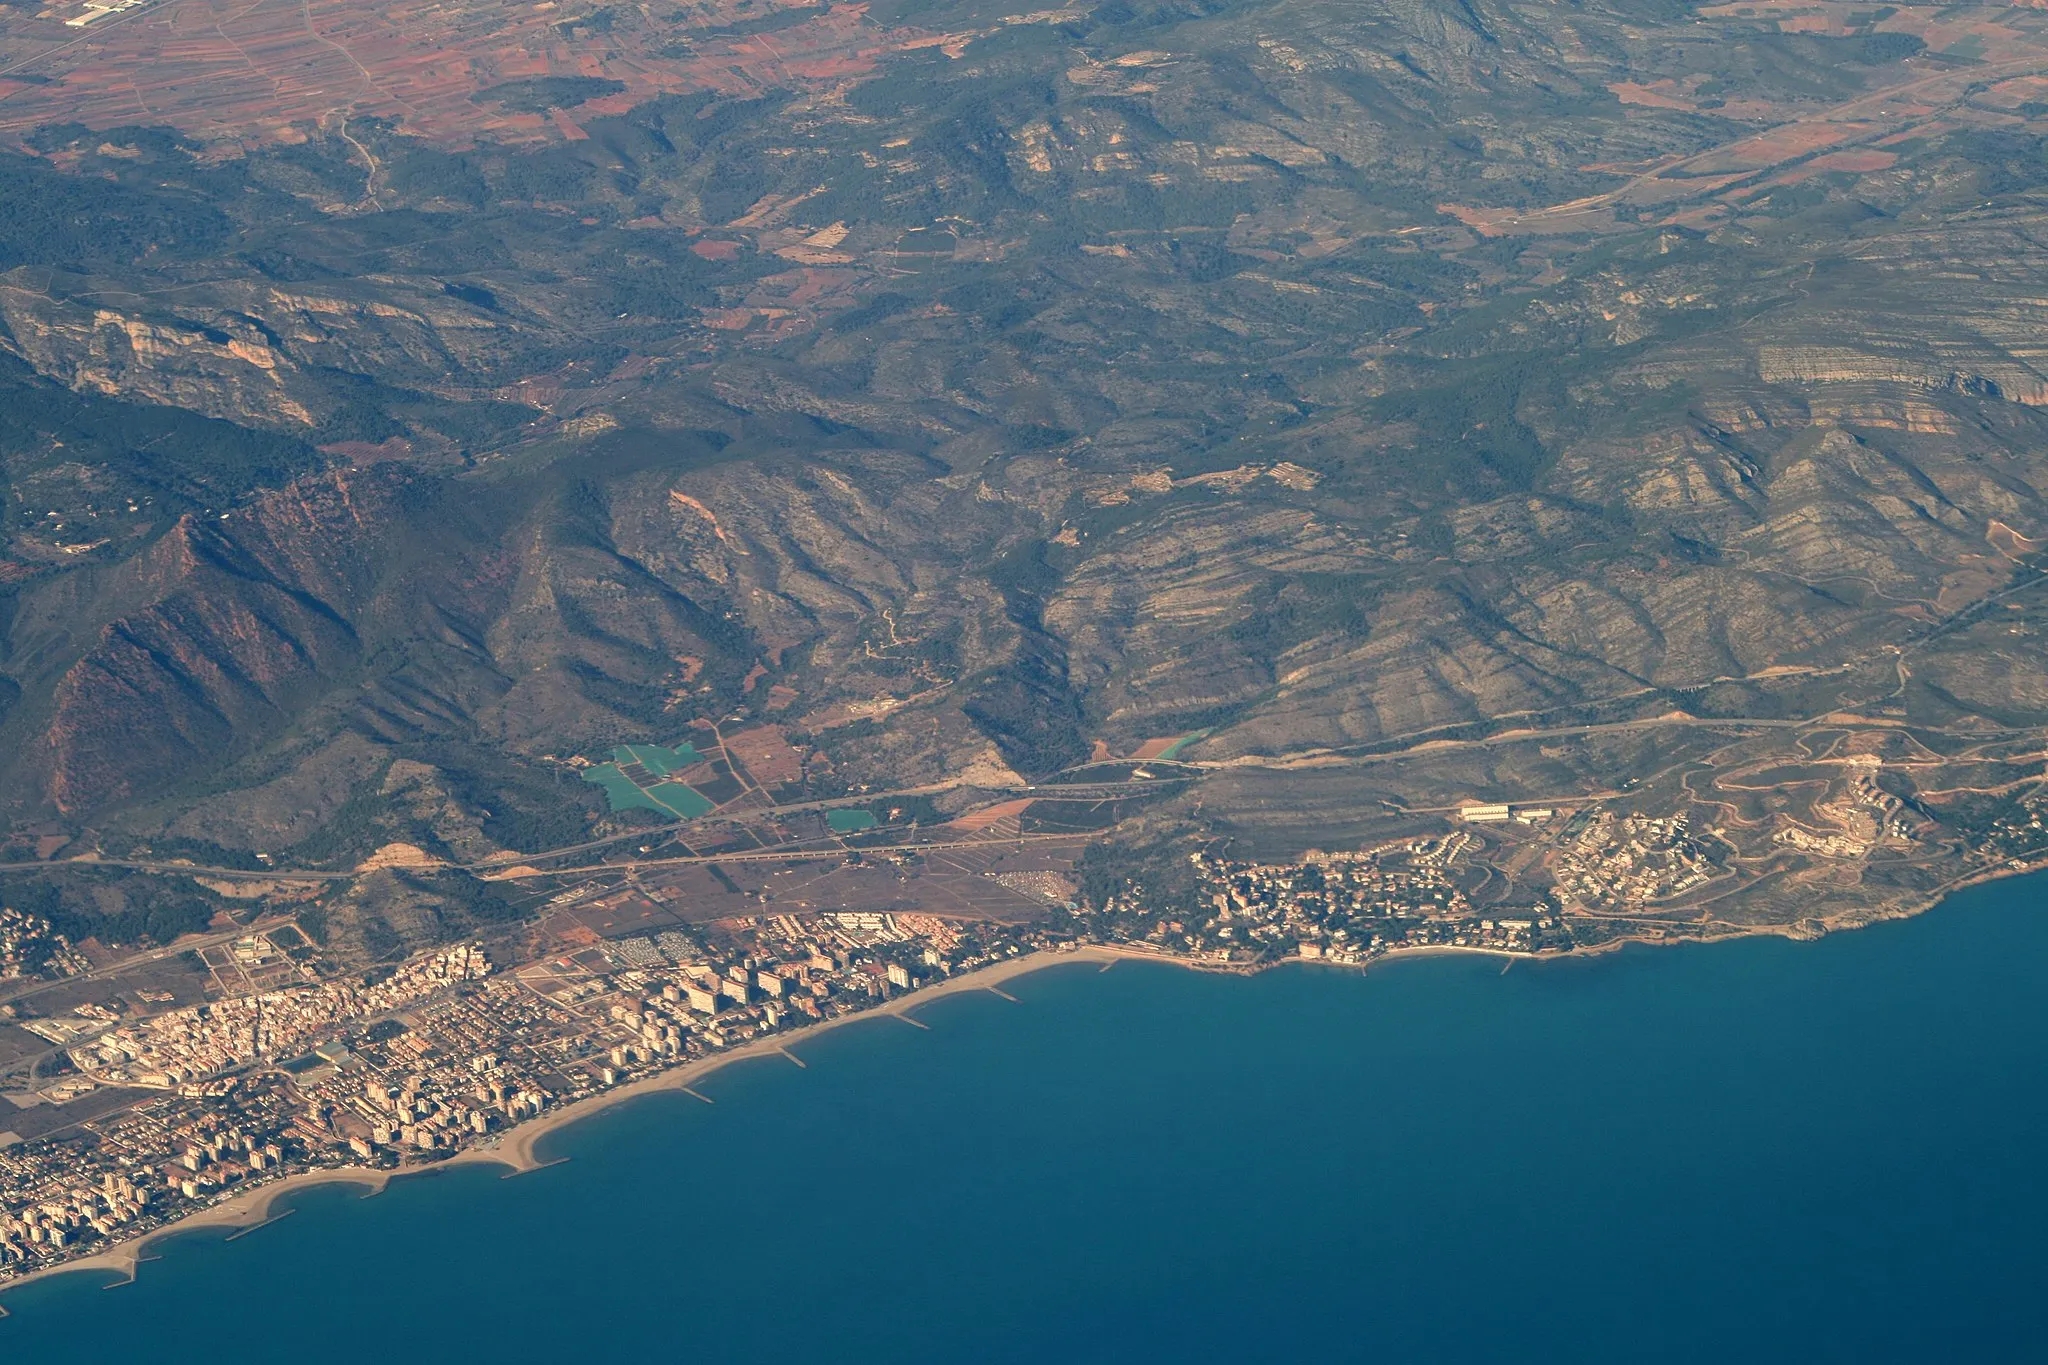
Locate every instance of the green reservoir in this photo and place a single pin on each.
(849, 821)
(657, 760)
(680, 798)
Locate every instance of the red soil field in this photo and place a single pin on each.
(988, 816)
(766, 755)
(273, 70)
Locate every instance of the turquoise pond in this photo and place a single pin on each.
(849, 821)
(675, 799)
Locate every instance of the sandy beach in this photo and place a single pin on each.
(252, 1208)
(516, 1149)
(240, 1213)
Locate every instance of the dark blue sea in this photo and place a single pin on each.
(1759, 1151)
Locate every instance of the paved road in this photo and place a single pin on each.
(801, 855)
(134, 960)
(720, 817)
(171, 865)
(1078, 791)
(1339, 756)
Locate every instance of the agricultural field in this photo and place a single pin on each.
(766, 755)
(640, 777)
(273, 72)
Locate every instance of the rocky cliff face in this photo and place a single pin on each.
(291, 358)
(222, 366)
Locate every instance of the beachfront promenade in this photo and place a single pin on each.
(448, 1057)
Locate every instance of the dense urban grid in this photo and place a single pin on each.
(415, 1063)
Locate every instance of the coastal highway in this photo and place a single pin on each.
(1079, 791)
(498, 863)
(1341, 755)
(801, 855)
(722, 816)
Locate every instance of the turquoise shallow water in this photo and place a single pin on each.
(1758, 1151)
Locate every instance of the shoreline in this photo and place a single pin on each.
(241, 1213)
(253, 1208)
(515, 1150)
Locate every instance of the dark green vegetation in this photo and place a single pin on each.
(1123, 376)
(111, 906)
(48, 217)
(549, 92)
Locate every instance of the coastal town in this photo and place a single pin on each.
(29, 944)
(190, 1083)
(445, 1053)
